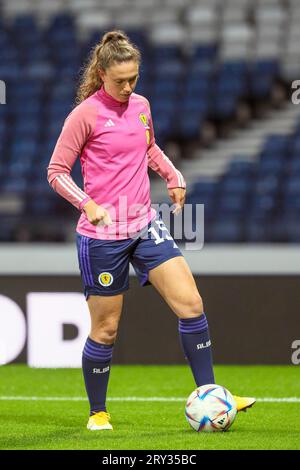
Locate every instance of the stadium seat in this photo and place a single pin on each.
(227, 230)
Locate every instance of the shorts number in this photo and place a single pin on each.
(163, 228)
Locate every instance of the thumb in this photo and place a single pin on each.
(176, 200)
(107, 219)
(176, 209)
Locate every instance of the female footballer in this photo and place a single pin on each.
(111, 130)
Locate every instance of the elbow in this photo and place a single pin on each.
(50, 177)
(52, 174)
(53, 171)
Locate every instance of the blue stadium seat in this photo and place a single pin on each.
(233, 85)
(29, 88)
(4, 38)
(195, 105)
(25, 129)
(291, 202)
(8, 54)
(236, 68)
(200, 69)
(227, 230)
(62, 36)
(38, 54)
(59, 109)
(42, 70)
(138, 37)
(204, 192)
(15, 105)
(162, 106)
(3, 129)
(163, 125)
(205, 187)
(61, 21)
(142, 87)
(42, 205)
(292, 229)
(53, 130)
(204, 52)
(162, 53)
(293, 166)
(20, 167)
(267, 184)
(232, 204)
(243, 168)
(276, 144)
(40, 185)
(10, 71)
(263, 204)
(262, 75)
(8, 225)
(18, 184)
(224, 107)
(189, 125)
(24, 147)
(292, 186)
(169, 69)
(256, 229)
(260, 86)
(267, 67)
(163, 88)
(236, 185)
(209, 204)
(295, 146)
(271, 166)
(25, 23)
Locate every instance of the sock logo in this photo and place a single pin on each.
(204, 345)
(101, 371)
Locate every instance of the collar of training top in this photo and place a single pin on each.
(109, 100)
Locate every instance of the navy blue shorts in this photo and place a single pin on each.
(104, 264)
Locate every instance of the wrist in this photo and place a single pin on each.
(88, 204)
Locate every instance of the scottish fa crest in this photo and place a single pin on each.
(144, 119)
(105, 279)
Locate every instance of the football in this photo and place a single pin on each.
(210, 408)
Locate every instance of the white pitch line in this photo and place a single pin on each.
(141, 399)
(279, 400)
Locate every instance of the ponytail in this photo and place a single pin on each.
(114, 47)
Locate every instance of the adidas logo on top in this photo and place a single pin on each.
(109, 123)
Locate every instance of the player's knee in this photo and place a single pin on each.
(195, 306)
(105, 333)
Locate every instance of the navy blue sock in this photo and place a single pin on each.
(96, 359)
(196, 344)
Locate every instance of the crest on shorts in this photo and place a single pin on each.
(105, 279)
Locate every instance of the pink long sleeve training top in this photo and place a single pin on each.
(116, 144)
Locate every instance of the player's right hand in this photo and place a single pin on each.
(96, 214)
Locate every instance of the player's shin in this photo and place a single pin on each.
(96, 359)
(196, 344)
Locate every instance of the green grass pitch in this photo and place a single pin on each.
(147, 425)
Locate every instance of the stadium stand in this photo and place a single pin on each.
(208, 65)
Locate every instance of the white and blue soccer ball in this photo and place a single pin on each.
(210, 408)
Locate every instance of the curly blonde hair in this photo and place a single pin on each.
(114, 47)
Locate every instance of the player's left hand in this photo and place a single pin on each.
(177, 195)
